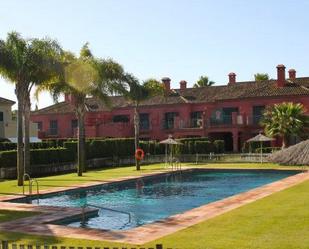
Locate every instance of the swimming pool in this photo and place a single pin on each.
(157, 197)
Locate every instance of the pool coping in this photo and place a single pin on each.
(41, 224)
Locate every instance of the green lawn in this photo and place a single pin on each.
(278, 221)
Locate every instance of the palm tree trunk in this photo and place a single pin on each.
(81, 150)
(26, 115)
(20, 155)
(284, 141)
(136, 129)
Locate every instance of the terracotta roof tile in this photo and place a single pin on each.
(239, 90)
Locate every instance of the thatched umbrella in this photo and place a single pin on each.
(260, 138)
(297, 154)
(169, 142)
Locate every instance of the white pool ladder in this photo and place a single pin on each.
(31, 182)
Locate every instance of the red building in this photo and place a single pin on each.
(231, 112)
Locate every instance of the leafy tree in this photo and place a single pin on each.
(26, 63)
(203, 81)
(136, 93)
(283, 120)
(261, 77)
(82, 77)
(155, 86)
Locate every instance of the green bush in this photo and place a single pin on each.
(219, 146)
(203, 147)
(7, 146)
(267, 149)
(39, 156)
(38, 145)
(8, 159)
(159, 149)
(188, 144)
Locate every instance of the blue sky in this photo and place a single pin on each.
(176, 38)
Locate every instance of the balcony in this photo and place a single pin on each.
(168, 124)
(225, 120)
(238, 120)
(52, 132)
(191, 124)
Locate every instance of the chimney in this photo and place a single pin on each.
(292, 74)
(183, 84)
(167, 83)
(280, 75)
(232, 78)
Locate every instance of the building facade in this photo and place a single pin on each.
(230, 112)
(8, 125)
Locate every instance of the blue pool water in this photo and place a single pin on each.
(159, 197)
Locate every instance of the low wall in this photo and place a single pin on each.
(54, 169)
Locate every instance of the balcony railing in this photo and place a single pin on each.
(52, 132)
(224, 120)
(168, 124)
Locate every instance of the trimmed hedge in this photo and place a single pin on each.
(112, 147)
(219, 146)
(6, 146)
(8, 159)
(40, 156)
(267, 149)
(204, 147)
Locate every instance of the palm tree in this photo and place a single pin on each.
(283, 120)
(136, 93)
(82, 77)
(203, 81)
(261, 77)
(26, 63)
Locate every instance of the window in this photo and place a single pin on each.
(257, 114)
(144, 121)
(53, 127)
(227, 114)
(1, 116)
(169, 120)
(74, 124)
(196, 119)
(40, 125)
(121, 119)
(223, 116)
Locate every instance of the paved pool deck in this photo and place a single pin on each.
(41, 224)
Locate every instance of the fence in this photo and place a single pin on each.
(7, 245)
(52, 169)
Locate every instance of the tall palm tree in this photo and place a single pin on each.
(82, 77)
(137, 93)
(203, 81)
(25, 62)
(283, 120)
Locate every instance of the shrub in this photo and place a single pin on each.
(267, 149)
(39, 156)
(159, 148)
(38, 145)
(8, 159)
(203, 147)
(7, 146)
(219, 146)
